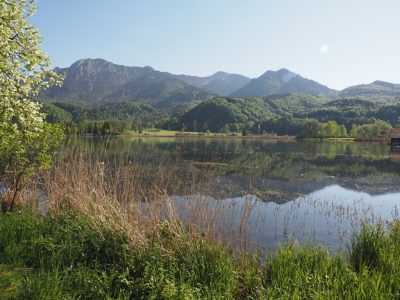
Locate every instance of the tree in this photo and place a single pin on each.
(329, 129)
(311, 129)
(107, 128)
(379, 129)
(342, 131)
(225, 128)
(27, 141)
(353, 131)
(195, 125)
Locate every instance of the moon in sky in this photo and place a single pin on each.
(324, 48)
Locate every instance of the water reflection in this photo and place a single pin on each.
(328, 216)
(308, 191)
(273, 170)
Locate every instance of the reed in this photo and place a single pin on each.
(108, 227)
(129, 194)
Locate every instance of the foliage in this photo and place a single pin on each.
(330, 129)
(78, 118)
(281, 126)
(139, 112)
(55, 114)
(311, 129)
(378, 129)
(67, 257)
(377, 91)
(390, 114)
(294, 104)
(345, 111)
(280, 114)
(23, 65)
(221, 114)
(26, 140)
(78, 112)
(315, 129)
(108, 127)
(283, 115)
(27, 153)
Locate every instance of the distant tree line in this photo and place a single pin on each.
(112, 119)
(296, 114)
(107, 127)
(330, 129)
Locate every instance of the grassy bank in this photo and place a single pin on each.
(350, 139)
(209, 135)
(67, 256)
(112, 232)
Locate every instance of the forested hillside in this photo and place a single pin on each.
(282, 81)
(377, 91)
(282, 115)
(277, 102)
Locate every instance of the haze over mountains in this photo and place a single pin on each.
(221, 83)
(96, 81)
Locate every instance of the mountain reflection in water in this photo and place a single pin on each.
(328, 216)
(308, 191)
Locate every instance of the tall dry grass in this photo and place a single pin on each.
(135, 192)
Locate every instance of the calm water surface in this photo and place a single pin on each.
(318, 192)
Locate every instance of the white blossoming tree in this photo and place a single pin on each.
(26, 140)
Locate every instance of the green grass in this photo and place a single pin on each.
(67, 257)
(171, 133)
(160, 132)
(342, 139)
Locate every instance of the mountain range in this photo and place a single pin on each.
(282, 81)
(220, 83)
(95, 82)
(378, 91)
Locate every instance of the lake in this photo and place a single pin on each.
(266, 192)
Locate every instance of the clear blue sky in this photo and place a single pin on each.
(336, 42)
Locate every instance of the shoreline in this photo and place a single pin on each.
(348, 139)
(255, 137)
(191, 136)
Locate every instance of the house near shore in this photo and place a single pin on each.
(395, 138)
